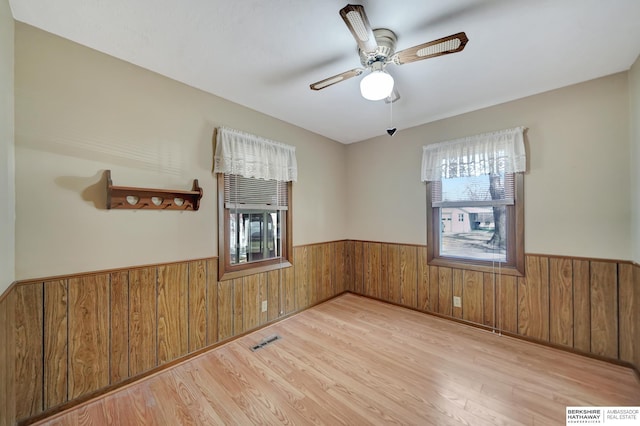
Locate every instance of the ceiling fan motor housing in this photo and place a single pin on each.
(386, 40)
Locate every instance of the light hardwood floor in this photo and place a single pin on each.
(357, 361)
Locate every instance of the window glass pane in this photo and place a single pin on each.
(254, 235)
(477, 189)
(476, 233)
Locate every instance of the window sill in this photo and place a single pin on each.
(474, 266)
(247, 270)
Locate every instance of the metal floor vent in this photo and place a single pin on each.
(264, 342)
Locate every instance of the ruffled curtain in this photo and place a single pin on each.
(251, 156)
(492, 153)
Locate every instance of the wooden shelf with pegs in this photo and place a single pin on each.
(125, 197)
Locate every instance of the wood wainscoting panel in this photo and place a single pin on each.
(358, 267)
(301, 265)
(251, 301)
(472, 297)
(79, 334)
(561, 301)
(340, 261)
(393, 283)
(225, 309)
(581, 305)
(533, 299)
(507, 303)
(142, 320)
(456, 291)
(197, 312)
(119, 329)
(88, 334)
(434, 289)
(275, 285)
(212, 301)
(604, 309)
(238, 303)
(55, 343)
(7, 358)
(173, 305)
(409, 276)
(290, 288)
(326, 282)
(445, 291)
(313, 274)
(629, 306)
(489, 299)
(423, 279)
(587, 304)
(29, 335)
(372, 270)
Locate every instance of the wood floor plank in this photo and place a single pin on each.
(354, 360)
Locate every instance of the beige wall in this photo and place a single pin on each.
(79, 112)
(634, 97)
(7, 190)
(576, 189)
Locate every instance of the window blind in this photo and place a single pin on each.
(250, 193)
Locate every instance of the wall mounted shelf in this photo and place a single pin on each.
(125, 197)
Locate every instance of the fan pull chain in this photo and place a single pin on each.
(391, 130)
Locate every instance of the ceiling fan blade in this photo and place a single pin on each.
(319, 85)
(394, 96)
(443, 46)
(356, 19)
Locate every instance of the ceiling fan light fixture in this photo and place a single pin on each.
(376, 85)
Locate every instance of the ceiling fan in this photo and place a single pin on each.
(377, 50)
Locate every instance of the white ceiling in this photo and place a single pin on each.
(263, 54)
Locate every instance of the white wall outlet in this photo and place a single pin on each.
(457, 302)
(264, 306)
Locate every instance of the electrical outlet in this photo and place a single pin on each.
(457, 302)
(264, 306)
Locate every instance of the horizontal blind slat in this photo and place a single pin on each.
(249, 191)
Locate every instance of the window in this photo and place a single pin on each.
(475, 181)
(254, 203)
(255, 224)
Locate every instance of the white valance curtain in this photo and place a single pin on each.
(485, 154)
(251, 156)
